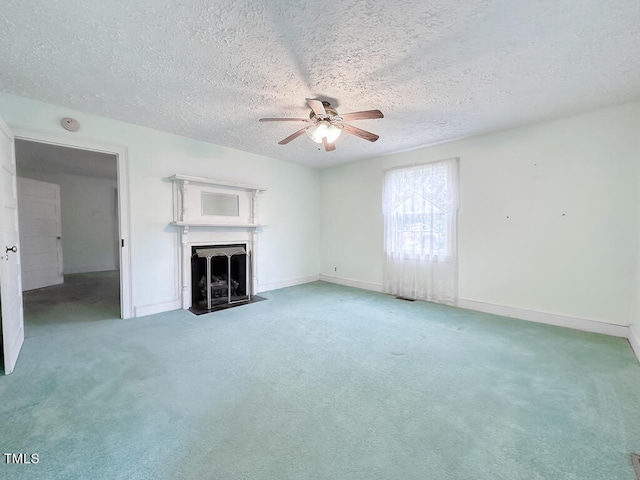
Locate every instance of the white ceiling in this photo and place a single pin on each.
(437, 69)
(48, 158)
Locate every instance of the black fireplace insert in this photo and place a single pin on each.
(220, 275)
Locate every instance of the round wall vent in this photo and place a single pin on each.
(70, 124)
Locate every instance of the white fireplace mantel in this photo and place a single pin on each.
(213, 212)
(188, 195)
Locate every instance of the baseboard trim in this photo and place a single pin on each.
(575, 323)
(634, 340)
(374, 287)
(144, 310)
(265, 287)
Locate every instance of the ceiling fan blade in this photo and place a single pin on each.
(372, 137)
(329, 147)
(283, 120)
(316, 106)
(367, 114)
(293, 136)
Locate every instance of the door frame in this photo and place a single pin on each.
(121, 153)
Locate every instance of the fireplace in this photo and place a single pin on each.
(220, 276)
(218, 229)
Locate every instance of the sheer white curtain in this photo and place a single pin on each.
(420, 206)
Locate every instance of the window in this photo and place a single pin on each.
(420, 218)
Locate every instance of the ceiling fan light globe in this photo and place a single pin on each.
(322, 130)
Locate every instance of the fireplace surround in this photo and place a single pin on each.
(217, 225)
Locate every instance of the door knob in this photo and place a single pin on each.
(13, 249)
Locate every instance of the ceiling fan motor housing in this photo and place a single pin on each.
(331, 112)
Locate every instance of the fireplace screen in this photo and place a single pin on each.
(219, 276)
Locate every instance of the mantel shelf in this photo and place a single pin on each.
(222, 225)
(210, 181)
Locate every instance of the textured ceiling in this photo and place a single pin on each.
(208, 70)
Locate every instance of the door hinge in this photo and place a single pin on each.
(122, 240)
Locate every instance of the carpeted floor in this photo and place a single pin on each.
(318, 382)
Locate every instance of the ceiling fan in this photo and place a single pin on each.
(326, 125)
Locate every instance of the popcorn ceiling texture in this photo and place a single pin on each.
(208, 70)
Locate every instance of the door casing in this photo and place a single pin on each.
(126, 294)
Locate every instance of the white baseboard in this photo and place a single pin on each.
(576, 323)
(374, 287)
(634, 340)
(145, 310)
(265, 287)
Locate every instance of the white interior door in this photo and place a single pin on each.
(40, 233)
(10, 277)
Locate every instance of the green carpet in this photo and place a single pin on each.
(318, 382)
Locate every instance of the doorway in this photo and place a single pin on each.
(93, 231)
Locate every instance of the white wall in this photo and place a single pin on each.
(289, 244)
(582, 264)
(548, 219)
(89, 221)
